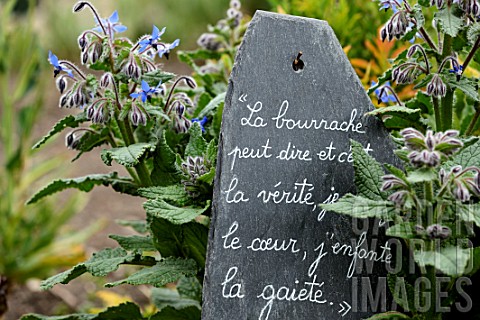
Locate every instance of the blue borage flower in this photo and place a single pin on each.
(382, 94)
(111, 25)
(152, 41)
(387, 4)
(201, 122)
(147, 91)
(57, 67)
(167, 47)
(457, 70)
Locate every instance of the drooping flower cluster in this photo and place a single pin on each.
(462, 183)
(129, 63)
(428, 150)
(396, 26)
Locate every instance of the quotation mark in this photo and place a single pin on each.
(345, 308)
(243, 98)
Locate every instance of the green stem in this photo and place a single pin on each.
(474, 121)
(438, 118)
(447, 110)
(129, 170)
(432, 277)
(141, 168)
(447, 101)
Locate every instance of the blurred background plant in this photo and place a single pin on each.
(33, 240)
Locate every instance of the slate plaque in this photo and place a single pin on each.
(284, 148)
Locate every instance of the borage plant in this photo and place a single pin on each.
(163, 130)
(433, 207)
(443, 65)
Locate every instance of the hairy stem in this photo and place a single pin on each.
(474, 121)
(447, 101)
(438, 119)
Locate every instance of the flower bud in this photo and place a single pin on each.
(436, 231)
(235, 4)
(84, 57)
(190, 82)
(411, 51)
(436, 87)
(456, 170)
(231, 13)
(442, 175)
(82, 41)
(61, 84)
(90, 112)
(461, 192)
(63, 101)
(105, 80)
(79, 6)
(399, 197)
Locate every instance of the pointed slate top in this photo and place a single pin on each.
(284, 148)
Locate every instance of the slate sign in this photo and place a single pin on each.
(285, 147)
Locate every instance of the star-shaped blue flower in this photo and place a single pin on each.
(152, 41)
(386, 4)
(57, 67)
(167, 47)
(381, 93)
(201, 122)
(111, 24)
(457, 70)
(147, 91)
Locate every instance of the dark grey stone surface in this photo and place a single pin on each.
(266, 103)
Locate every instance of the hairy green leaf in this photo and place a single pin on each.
(396, 116)
(469, 213)
(451, 260)
(213, 104)
(67, 122)
(421, 175)
(85, 184)
(161, 209)
(126, 156)
(169, 313)
(165, 171)
(154, 77)
(187, 240)
(450, 20)
(174, 194)
(396, 172)
(469, 156)
(202, 102)
(163, 297)
(212, 150)
(142, 243)
(368, 173)
(190, 287)
(467, 86)
(418, 15)
(200, 54)
(165, 271)
(360, 207)
(99, 265)
(197, 146)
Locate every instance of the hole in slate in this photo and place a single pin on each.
(298, 63)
